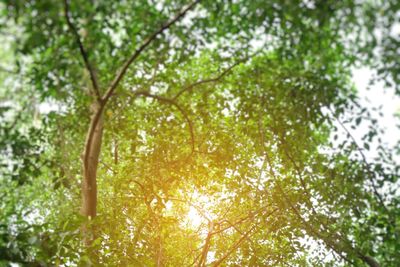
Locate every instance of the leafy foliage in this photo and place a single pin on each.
(229, 141)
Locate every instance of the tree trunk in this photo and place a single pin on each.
(89, 183)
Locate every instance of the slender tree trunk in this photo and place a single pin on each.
(89, 182)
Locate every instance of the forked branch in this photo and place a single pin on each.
(114, 84)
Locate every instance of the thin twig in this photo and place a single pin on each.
(175, 104)
(215, 79)
(234, 246)
(364, 158)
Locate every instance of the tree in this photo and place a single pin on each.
(234, 102)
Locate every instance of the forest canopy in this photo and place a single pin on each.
(197, 133)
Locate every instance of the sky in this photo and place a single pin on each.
(375, 96)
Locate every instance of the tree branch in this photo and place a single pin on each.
(82, 50)
(142, 47)
(310, 204)
(9, 71)
(235, 246)
(306, 224)
(188, 202)
(206, 247)
(175, 104)
(215, 79)
(364, 158)
(122, 72)
(243, 219)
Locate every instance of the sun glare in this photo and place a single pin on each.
(199, 212)
(194, 217)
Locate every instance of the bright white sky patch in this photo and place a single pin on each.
(378, 96)
(194, 217)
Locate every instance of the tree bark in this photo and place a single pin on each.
(89, 182)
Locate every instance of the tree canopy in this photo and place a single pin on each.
(204, 133)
